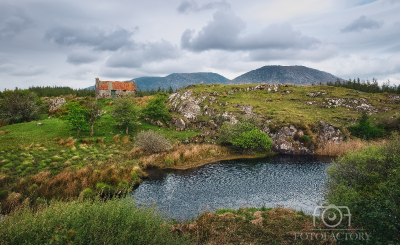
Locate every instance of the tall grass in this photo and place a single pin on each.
(116, 221)
(334, 149)
(179, 155)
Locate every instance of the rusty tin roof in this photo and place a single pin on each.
(111, 85)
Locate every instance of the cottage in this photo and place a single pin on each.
(111, 89)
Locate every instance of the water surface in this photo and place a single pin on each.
(290, 181)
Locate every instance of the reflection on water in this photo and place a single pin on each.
(289, 181)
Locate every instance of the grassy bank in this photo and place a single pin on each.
(89, 222)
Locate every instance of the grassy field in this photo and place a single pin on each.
(286, 108)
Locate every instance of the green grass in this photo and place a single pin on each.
(288, 108)
(113, 222)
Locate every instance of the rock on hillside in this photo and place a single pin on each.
(297, 75)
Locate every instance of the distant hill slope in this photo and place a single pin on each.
(180, 80)
(177, 80)
(297, 75)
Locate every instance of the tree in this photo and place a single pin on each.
(18, 104)
(78, 117)
(156, 108)
(95, 113)
(127, 113)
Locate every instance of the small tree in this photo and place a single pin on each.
(78, 117)
(95, 113)
(156, 108)
(18, 104)
(127, 113)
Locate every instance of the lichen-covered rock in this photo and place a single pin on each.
(247, 109)
(283, 141)
(229, 117)
(210, 112)
(329, 133)
(178, 122)
(189, 109)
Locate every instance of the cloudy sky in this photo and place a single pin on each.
(70, 43)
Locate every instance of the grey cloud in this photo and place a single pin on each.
(224, 33)
(94, 37)
(362, 23)
(81, 58)
(13, 21)
(191, 6)
(146, 52)
(221, 33)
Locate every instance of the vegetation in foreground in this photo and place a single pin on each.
(368, 183)
(115, 221)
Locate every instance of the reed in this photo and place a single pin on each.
(335, 149)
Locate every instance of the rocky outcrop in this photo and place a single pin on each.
(287, 140)
(55, 103)
(283, 141)
(329, 133)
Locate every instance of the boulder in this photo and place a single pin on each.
(189, 109)
(178, 122)
(329, 133)
(39, 124)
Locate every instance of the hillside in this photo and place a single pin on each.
(297, 75)
(299, 119)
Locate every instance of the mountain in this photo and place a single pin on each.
(146, 83)
(297, 75)
(179, 80)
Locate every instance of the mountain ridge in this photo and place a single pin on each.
(297, 75)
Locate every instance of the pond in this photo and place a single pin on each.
(290, 181)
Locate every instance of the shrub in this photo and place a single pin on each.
(169, 161)
(365, 130)
(152, 141)
(156, 108)
(368, 183)
(229, 132)
(253, 140)
(86, 193)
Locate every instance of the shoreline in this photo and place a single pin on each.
(217, 159)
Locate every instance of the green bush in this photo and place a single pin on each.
(87, 193)
(368, 183)
(253, 140)
(156, 108)
(3, 194)
(169, 161)
(229, 132)
(116, 221)
(365, 130)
